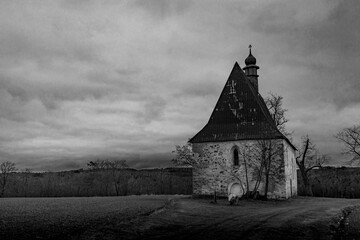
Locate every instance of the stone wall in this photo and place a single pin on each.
(214, 177)
(221, 172)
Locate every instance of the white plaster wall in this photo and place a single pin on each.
(216, 176)
(290, 170)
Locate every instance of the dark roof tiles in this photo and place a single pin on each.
(239, 114)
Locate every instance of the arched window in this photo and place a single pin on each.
(236, 157)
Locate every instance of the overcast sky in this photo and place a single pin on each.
(130, 79)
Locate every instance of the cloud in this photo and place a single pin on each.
(87, 79)
(163, 9)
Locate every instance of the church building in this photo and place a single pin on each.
(241, 121)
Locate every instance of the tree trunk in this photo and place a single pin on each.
(215, 197)
(116, 188)
(266, 184)
(307, 187)
(3, 184)
(304, 177)
(247, 179)
(258, 180)
(267, 173)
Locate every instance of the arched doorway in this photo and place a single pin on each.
(235, 189)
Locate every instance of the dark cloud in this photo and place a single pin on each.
(153, 160)
(19, 46)
(154, 108)
(322, 44)
(82, 79)
(51, 94)
(205, 88)
(162, 8)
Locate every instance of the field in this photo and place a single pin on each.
(71, 218)
(177, 217)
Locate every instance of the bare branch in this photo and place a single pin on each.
(274, 104)
(5, 169)
(350, 137)
(307, 159)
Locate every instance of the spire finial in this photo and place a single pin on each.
(250, 60)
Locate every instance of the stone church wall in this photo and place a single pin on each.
(205, 181)
(218, 175)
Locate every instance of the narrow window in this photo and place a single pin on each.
(236, 157)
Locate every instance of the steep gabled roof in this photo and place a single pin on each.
(239, 114)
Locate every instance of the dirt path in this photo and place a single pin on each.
(177, 217)
(301, 218)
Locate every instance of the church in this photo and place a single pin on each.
(240, 123)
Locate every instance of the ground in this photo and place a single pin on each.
(177, 217)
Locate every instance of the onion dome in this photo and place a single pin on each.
(251, 70)
(250, 60)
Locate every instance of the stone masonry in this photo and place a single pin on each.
(216, 176)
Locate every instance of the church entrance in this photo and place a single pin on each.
(235, 189)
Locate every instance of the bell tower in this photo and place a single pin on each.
(251, 70)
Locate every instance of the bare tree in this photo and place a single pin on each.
(26, 174)
(5, 169)
(115, 166)
(254, 160)
(350, 137)
(184, 156)
(270, 163)
(88, 181)
(265, 153)
(50, 184)
(98, 164)
(308, 159)
(274, 103)
(268, 149)
(112, 167)
(245, 153)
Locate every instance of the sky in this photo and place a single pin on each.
(81, 80)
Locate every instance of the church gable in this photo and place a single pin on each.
(239, 114)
